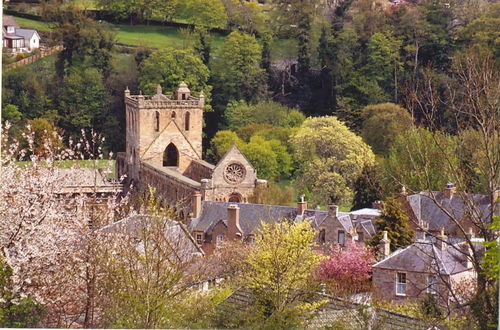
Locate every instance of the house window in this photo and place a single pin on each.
(186, 121)
(432, 282)
(218, 241)
(361, 236)
(341, 237)
(401, 284)
(322, 236)
(173, 115)
(199, 239)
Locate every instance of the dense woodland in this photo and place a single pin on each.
(346, 102)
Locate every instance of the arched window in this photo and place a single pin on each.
(235, 198)
(171, 156)
(157, 121)
(186, 121)
(173, 115)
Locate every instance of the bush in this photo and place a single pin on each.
(20, 56)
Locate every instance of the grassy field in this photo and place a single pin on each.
(165, 36)
(32, 24)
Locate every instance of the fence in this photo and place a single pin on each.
(33, 58)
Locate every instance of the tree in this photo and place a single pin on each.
(242, 114)
(384, 63)
(147, 271)
(347, 270)
(395, 221)
(169, 67)
(16, 311)
(85, 41)
(382, 124)
(203, 13)
(49, 242)
(202, 47)
(11, 113)
(279, 272)
(420, 159)
(82, 100)
(269, 158)
(237, 69)
(222, 142)
(331, 157)
(473, 102)
(139, 9)
(367, 188)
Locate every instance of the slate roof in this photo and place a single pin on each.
(250, 215)
(315, 216)
(425, 257)
(335, 310)
(132, 225)
(25, 33)
(426, 209)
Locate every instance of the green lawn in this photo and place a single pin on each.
(104, 164)
(165, 36)
(32, 24)
(156, 36)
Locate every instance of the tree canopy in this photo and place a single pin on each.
(331, 158)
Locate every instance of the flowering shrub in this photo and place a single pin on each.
(348, 267)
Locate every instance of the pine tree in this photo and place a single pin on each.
(396, 222)
(367, 188)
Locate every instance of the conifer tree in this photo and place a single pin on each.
(395, 221)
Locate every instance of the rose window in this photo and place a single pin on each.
(234, 173)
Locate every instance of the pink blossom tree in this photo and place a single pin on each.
(347, 269)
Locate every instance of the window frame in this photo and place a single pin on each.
(432, 284)
(403, 284)
(199, 238)
(218, 240)
(343, 237)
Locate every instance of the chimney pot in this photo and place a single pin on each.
(333, 210)
(196, 204)
(449, 190)
(301, 205)
(385, 245)
(442, 240)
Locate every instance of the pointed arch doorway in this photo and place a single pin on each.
(171, 156)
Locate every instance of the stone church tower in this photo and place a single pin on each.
(164, 150)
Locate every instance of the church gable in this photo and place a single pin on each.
(234, 170)
(170, 143)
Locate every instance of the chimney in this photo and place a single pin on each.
(333, 210)
(442, 240)
(385, 245)
(421, 229)
(233, 222)
(196, 204)
(127, 92)
(377, 205)
(301, 206)
(449, 190)
(470, 233)
(467, 254)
